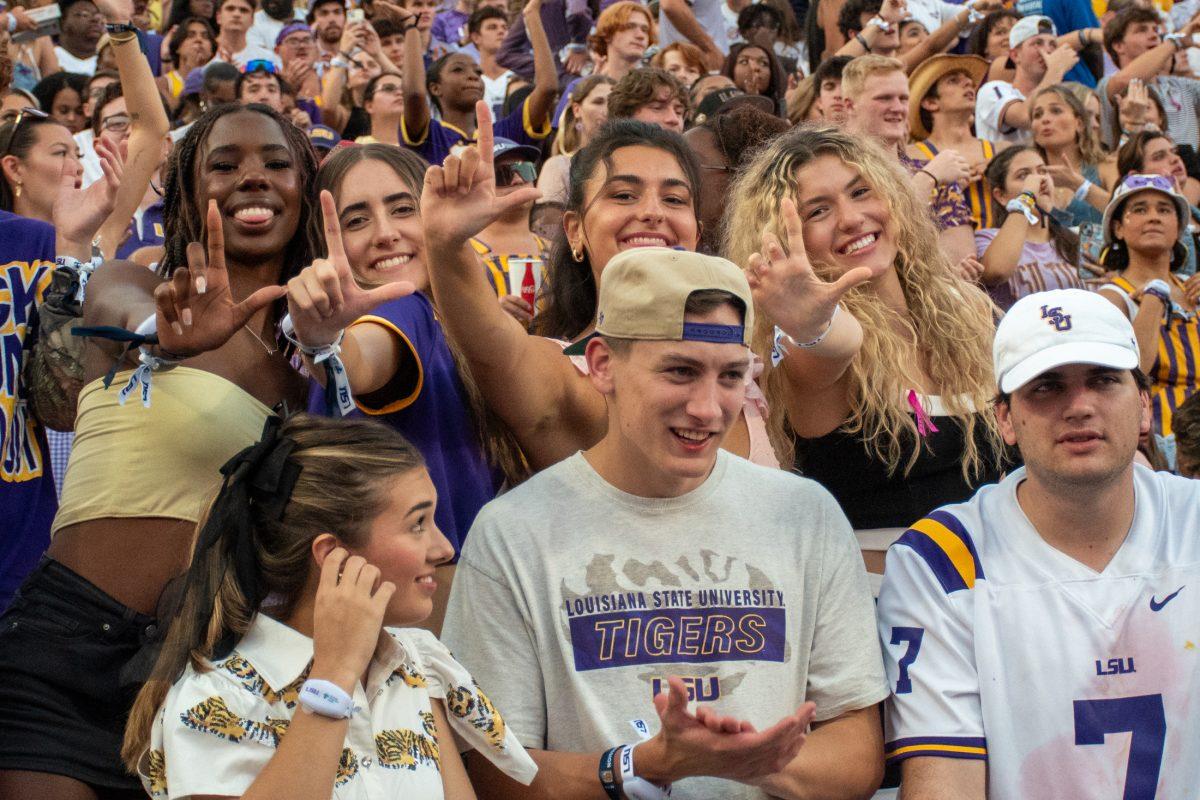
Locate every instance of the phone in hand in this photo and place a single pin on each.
(355, 16)
(47, 19)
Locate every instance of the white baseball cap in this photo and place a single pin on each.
(1063, 326)
(1029, 27)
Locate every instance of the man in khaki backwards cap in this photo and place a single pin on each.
(655, 563)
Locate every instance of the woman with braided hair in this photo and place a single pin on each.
(291, 600)
(241, 187)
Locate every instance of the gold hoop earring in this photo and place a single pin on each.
(576, 254)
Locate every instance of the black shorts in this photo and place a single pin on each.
(63, 643)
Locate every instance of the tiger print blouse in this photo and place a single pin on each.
(217, 729)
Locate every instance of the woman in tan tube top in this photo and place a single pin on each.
(242, 184)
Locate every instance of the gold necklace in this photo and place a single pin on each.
(270, 350)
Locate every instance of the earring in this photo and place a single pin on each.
(576, 254)
(17, 190)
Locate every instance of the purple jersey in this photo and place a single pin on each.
(27, 499)
(432, 413)
(440, 137)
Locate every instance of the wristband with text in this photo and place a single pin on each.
(326, 699)
(1160, 289)
(608, 773)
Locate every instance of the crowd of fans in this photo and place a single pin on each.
(791, 398)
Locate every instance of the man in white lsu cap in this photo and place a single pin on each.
(1042, 637)
(606, 592)
(1002, 113)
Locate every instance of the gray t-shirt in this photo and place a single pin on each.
(573, 601)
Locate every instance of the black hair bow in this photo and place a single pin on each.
(258, 485)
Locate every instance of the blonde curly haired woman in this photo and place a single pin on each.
(882, 355)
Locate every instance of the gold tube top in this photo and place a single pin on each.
(161, 461)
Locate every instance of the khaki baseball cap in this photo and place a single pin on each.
(645, 290)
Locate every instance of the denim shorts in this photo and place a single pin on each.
(63, 709)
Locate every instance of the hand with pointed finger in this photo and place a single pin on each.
(709, 743)
(348, 618)
(196, 310)
(1065, 176)
(324, 298)
(787, 289)
(459, 198)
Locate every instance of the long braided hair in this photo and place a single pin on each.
(184, 211)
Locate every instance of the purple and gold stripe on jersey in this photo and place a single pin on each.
(936, 746)
(944, 544)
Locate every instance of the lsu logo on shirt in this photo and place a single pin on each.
(22, 286)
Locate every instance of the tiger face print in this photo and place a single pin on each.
(473, 706)
(213, 716)
(407, 749)
(248, 676)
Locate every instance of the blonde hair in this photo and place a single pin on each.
(854, 77)
(948, 325)
(346, 467)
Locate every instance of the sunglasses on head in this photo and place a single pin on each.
(11, 133)
(506, 174)
(1150, 182)
(260, 65)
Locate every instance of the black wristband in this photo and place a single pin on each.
(608, 773)
(858, 37)
(120, 27)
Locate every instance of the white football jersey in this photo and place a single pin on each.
(1068, 682)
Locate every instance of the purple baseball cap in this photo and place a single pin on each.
(289, 29)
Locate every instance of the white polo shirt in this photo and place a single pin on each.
(218, 729)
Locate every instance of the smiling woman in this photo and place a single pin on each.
(254, 173)
(633, 186)
(912, 345)
(402, 368)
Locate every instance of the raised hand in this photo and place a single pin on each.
(324, 298)
(347, 618)
(1065, 175)
(892, 11)
(196, 312)
(116, 10)
(708, 743)
(77, 214)
(949, 166)
(1134, 106)
(1061, 60)
(459, 198)
(785, 287)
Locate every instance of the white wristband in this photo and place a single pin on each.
(784, 343)
(632, 786)
(1081, 192)
(327, 699)
(330, 355)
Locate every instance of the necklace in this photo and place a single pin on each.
(270, 350)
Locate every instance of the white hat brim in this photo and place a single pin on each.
(1101, 354)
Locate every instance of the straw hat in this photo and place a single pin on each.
(926, 76)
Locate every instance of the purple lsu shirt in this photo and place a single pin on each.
(27, 498)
